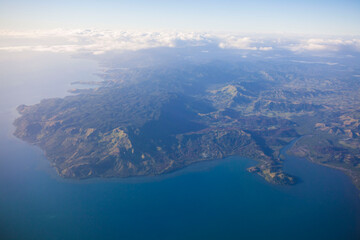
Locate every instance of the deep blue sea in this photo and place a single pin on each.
(210, 200)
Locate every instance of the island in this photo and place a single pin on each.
(145, 121)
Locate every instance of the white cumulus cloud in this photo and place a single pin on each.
(322, 44)
(98, 41)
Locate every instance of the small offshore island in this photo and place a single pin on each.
(154, 120)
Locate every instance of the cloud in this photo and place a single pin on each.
(265, 48)
(237, 42)
(321, 44)
(99, 42)
(96, 41)
(244, 43)
(88, 40)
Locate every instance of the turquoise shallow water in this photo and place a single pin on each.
(210, 200)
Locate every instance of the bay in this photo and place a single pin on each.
(210, 200)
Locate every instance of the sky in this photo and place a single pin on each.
(332, 17)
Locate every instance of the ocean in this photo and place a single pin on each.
(210, 200)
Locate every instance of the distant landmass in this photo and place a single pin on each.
(152, 120)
